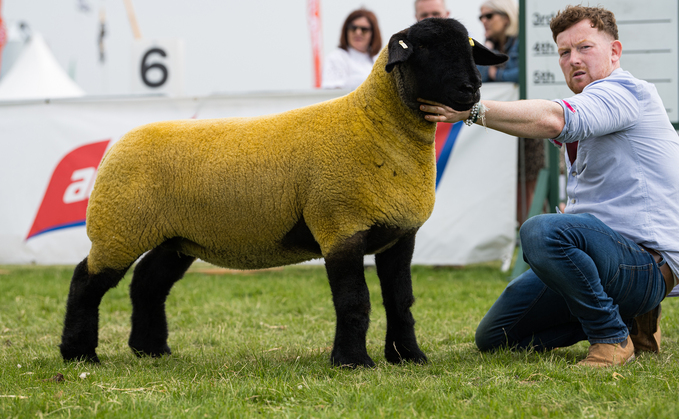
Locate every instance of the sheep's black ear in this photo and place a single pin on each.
(484, 56)
(400, 49)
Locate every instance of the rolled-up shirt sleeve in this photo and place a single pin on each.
(600, 109)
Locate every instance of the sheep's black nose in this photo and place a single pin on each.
(470, 88)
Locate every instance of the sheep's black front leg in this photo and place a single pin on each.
(79, 338)
(352, 303)
(393, 269)
(153, 278)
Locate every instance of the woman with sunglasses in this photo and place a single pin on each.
(500, 19)
(360, 42)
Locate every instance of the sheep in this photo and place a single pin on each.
(338, 180)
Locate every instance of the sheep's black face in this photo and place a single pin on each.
(436, 60)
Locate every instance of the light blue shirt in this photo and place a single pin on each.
(627, 168)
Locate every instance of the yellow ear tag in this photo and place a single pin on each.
(403, 44)
(471, 41)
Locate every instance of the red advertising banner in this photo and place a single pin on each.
(65, 202)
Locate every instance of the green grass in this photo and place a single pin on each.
(258, 345)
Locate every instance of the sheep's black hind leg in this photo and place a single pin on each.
(393, 269)
(80, 335)
(352, 303)
(153, 278)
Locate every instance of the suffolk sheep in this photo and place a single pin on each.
(339, 180)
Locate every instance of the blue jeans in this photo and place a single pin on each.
(586, 282)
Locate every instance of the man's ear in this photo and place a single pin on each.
(400, 49)
(484, 56)
(616, 52)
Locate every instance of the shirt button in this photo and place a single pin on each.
(573, 173)
(572, 201)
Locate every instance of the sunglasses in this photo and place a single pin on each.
(364, 29)
(489, 16)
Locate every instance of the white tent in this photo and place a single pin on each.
(36, 74)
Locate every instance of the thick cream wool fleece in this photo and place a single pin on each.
(233, 187)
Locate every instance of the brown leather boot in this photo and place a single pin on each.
(645, 331)
(609, 354)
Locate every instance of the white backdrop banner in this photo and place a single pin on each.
(50, 150)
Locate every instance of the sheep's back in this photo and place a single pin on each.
(233, 188)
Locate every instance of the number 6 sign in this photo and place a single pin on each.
(158, 67)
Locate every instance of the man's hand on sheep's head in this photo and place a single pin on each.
(438, 112)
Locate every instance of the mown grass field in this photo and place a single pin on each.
(257, 344)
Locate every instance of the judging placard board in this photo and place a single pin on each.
(648, 31)
(158, 66)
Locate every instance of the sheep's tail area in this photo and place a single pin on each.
(121, 208)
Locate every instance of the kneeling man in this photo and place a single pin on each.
(600, 270)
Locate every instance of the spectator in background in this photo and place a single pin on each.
(430, 8)
(360, 42)
(500, 19)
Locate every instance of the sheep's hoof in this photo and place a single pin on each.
(154, 353)
(397, 354)
(72, 355)
(352, 362)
